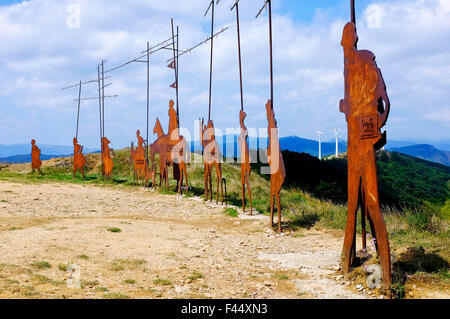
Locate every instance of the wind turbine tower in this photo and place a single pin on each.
(320, 143)
(337, 142)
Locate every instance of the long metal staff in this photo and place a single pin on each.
(236, 5)
(269, 4)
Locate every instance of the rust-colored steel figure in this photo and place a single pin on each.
(366, 107)
(78, 159)
(138, 157)
(245, 154)
(275, 159)
(245, 161)
(108, 163)
(35, 157)
(172, 150)
(211, 157)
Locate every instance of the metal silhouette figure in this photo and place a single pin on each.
(274, 156)
(107, 154)
(245, 154)
(366, 107)
(78, 159)
(275, 159)
(245, 161)
(35, 157)
(138, 158)
(211, 158)
(172, 149)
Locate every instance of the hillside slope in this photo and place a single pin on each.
(426, 152)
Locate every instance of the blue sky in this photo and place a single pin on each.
(41, 54)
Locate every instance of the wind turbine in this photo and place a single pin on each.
(320, 143)
(337, 142)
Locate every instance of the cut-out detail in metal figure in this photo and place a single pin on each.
(78, 159)
(275, 159)
(366, 107)
(108, 163)
(35, 157)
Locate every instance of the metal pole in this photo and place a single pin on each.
(78, 115)
(100, 116)
(175, 61)
(352, 5)
(239, 52)
(271, 59)
(103, 99)
(148, 93)
(176, 70)
(211, 61)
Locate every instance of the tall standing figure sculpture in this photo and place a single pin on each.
(211, 158)
(35, 157)
(275, 159)
(108, 163)
(211, 149)
(245, 153)
(274, 156)
(78, 159)
(138, 158)
(366, 107)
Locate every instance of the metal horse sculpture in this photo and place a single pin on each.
(366, 107)
(78, 159)
(172, 149)
(108, 163)
(275, 159)
(211, 157)
(35, 157)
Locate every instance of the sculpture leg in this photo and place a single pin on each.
(271, 210)
(243, 197)
(373, 205)
(350, 228)
(74, 172)
(210, 186)
(206, 183)
(249, 194)
(363, 221)
(279, 212)
(218, 177)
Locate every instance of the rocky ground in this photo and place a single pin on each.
(130, 242)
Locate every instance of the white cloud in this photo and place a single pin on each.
(41, 54)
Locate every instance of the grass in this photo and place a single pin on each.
(115, 295)
(63, 267)
(195, 275)
(231, 212)
(122, 264)
(41, 265)
(83, 256)
(114, 230)
(130, 281)
(162, 282)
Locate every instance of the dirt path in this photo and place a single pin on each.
(167, 247)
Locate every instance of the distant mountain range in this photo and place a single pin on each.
(426, 152)
(20, 153)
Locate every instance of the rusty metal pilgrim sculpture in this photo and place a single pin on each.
(366, 107)
(245, 153)
(274, 156)
(211, 149)
(78, 159)
(138, 158)
(172, 150)
(107, 154)
(35, 157)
